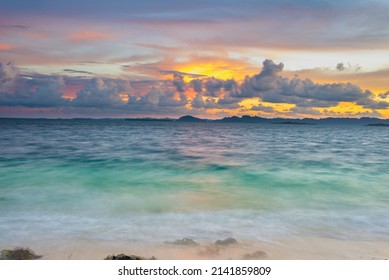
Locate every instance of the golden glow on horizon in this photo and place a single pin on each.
(384, 113)
(249, 102)
(279, 107)
(345, 108)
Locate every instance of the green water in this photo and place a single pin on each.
(114, 180)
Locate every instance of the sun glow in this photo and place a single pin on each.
(220, 68)
(345, 108)
(210, 70)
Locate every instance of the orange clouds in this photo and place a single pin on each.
(220, 67)
(6, 47)
(265, 93)
(88, 35)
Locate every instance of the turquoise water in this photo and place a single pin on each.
(117, 180)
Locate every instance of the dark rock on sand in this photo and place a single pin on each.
(19, 254)
(225, 242)
(257, 255)
(184, 241)
(127, 257)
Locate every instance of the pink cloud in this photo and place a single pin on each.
(88, 35)
(38, 36)
(6, 47)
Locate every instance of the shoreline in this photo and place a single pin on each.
(283, 249)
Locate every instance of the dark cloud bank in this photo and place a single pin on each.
(170, 98)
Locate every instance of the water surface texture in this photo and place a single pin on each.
(117, 180)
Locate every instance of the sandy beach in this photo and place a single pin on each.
(285, 249)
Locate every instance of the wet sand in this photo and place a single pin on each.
(285, 249)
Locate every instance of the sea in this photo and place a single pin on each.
(150, 181)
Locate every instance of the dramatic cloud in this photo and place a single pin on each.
(215, 93)
(162, 102)
(158, 98)
(197, 85)
(178, 82)
(340, 66)
(384, 95)
(269, 86)
(180, 55)
(213, 87)
(180, 96)
(266, 81)
(41, 91)
(203, 102)
(100, 93)
(8, 74)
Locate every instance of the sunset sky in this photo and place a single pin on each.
(210, 58)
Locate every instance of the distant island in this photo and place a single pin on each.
(365, 121)
(191, 119)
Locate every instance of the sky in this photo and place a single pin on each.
(211, 59)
